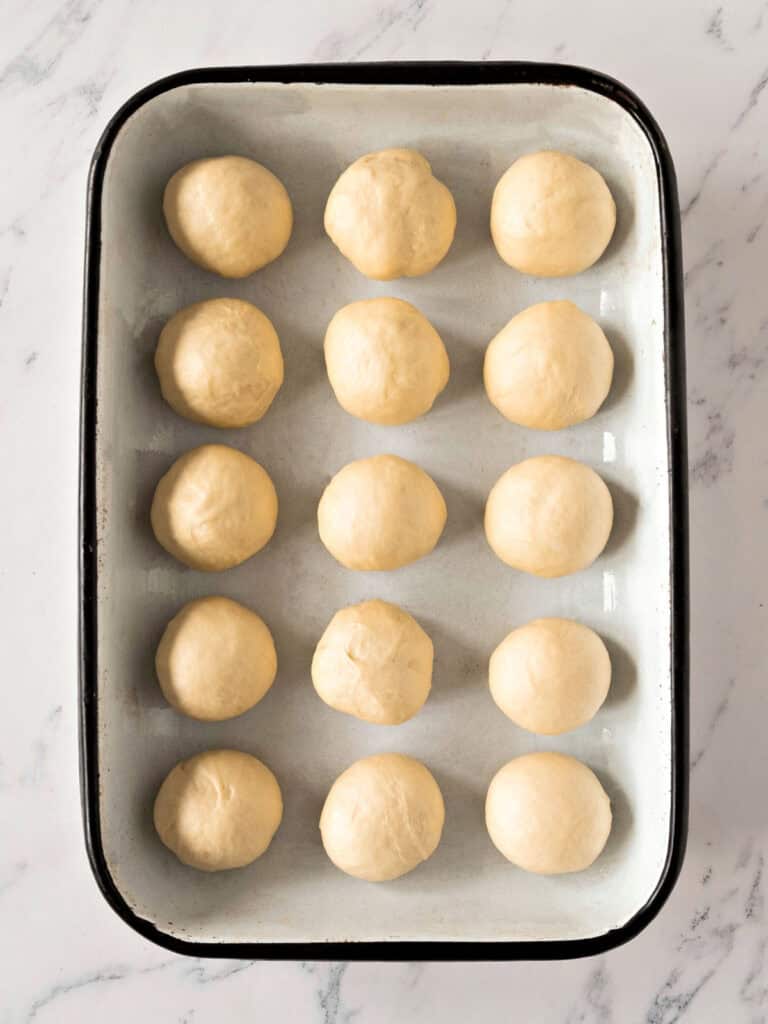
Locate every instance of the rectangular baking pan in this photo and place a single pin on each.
(307, 123)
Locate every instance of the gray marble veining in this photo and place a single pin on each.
(702, 69)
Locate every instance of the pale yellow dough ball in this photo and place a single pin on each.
(380, 513)
(214, 508)
(216, 659)
(228, 214)
(382, 817)
(390, 216)
(386, 362)
(549, 368)
(218, 810)
(374, 661)
(552, 215)
(550, 675)
(547, 813)
(219, 362)
(549, 516)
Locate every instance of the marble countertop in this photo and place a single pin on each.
(65, 67)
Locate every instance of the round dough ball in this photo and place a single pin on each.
(552, 215)
(214, 508)
(216, 659)
(548, 813)
(374, 661)
(549, 368)
(386, 362)
(390, 216)
(549, 516)
(218, 810)
(228, 214)
(382, 817)
(219, 362)
(550, 676)
(380, 513)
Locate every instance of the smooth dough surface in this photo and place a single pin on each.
(547, 813)
(390, 216)
(218, 810)
(550, 675)
(549, 368)
(214, 508)
(228, 214)
(552, 215)
(216, 659)
(219, 362)
(380, 513)
(549, 516)
(386, 362)
(382, 817)
(374, 661)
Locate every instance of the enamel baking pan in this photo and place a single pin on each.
(465, 903)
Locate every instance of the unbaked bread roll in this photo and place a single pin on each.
(374, 661)
(216, 659)
(552, 215)
(228, 214)
(219, 362)
(214, 508)
(549, 515)
(380, 513)
(549, 368)
(382, 817)
(390, 216)
(547, 813)
(218, 810)
(550, 676)
(386, 362)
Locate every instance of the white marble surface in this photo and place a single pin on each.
(64, 68)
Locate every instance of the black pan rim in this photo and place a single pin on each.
(427, 73)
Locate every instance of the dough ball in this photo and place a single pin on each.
(216, 659)
(549, 368)
(219, 363)
(548, 813)
(390, 216)
(228, 214)
(551, 215)
(218, 810)
(386, 362)
(550, 676)
(382, 817)
(549, 516)
(214, 508)
(380, 513)
(374, 661)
